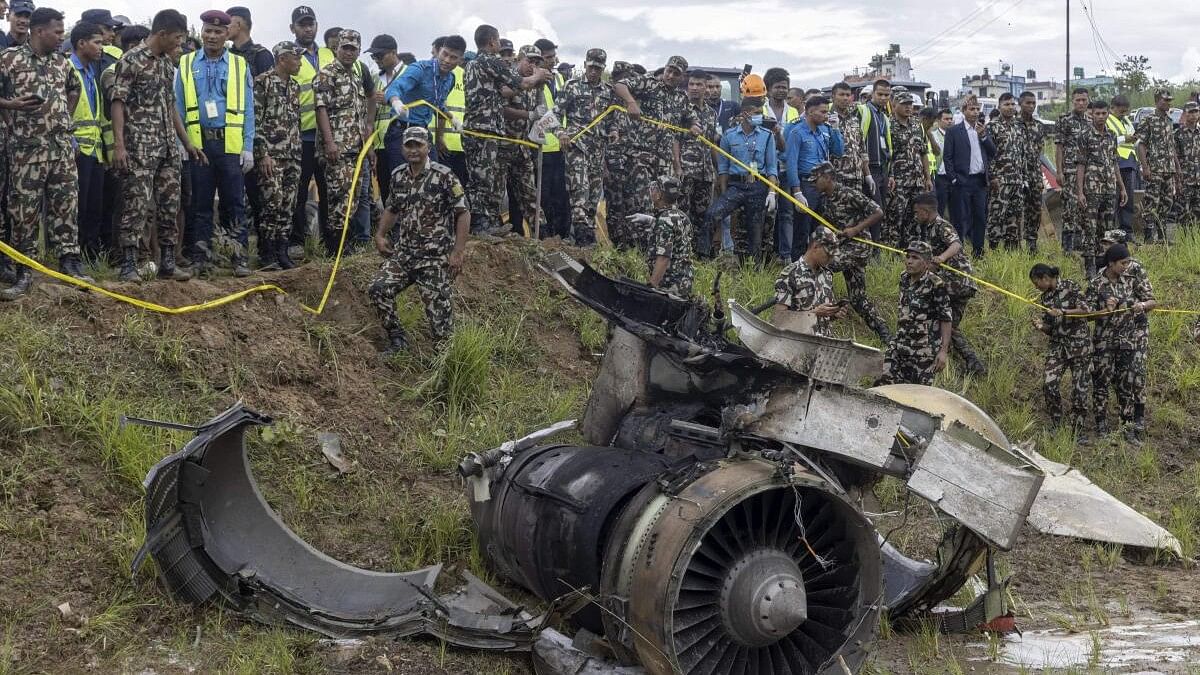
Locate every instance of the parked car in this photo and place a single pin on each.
(1140, 114)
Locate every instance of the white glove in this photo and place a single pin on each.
(870, 181)
(400, 109)
(247, 161)
(799, 195)
(641, 219)
(771, 201)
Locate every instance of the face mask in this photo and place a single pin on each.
(756, 120)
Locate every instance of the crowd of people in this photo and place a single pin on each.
(120, 137)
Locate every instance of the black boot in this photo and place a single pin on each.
(268, 255)
(240, 269)
(72, 267)
(129, 265)
(397, 343)
(1032, 246)
(8, 275)
(1068, 242)
(1101, 425)
(20, 287)
(283, 257)
(167, 268)
(1089, 267)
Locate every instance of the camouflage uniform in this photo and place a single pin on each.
(911, 173)
(651, 153)
(579, 103)
(1120, 345)
(800, 288)
(1157, 135)
(940, 235)
(1070, 350)
(1006, 201)
(848, 166)
(1187, 142)
(339, 90)
(1032, 180)
(1098, 154)
(425, 206)
(924, 304)
(277, 135)
(671, 236)
(699, 172)
(1067, 132)
(846, 207)
(40, 151)
(618, 205)
(485, 113)
(515, 161)
(150, 187)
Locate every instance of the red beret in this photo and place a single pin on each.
(215, 16)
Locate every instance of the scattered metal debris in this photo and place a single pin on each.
(331, 448)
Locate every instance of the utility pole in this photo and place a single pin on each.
(1067, 81)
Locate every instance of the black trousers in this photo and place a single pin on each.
(556, 203)
(309, 169)
(1125, 213)
(970, 197)
(880, 196)
(91, 204)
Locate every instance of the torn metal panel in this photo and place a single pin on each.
(215, 539)
(1071, 505)
(622, 378)
(821, 358)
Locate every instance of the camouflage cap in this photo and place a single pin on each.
(415, 134)
(820, 170)
(530, 52)
(921, 248)
(905, 97)
(596, 57)
(669, 186)
(1190, 106)
(1163, 95)
(1113, 236)
(825, 237)
(620, 68)
(506, 45)
(349, 37)
(678, 62)
(287, 47)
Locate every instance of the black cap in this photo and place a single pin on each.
(383, 43)
(101, 17)
(303, 13)
(243, 12)
(20, 7)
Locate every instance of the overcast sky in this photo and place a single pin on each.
(815, 42)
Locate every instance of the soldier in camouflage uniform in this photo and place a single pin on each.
(582, 100)
(345, 114)
(617, 160)
(484, 81)
(40, 91)
(807, 284)
(924, 322)
(1067, 132)
(1095, 189)
(948, 250)
(515, 161)
(697, 161)
(1120, 342)
(146, 159)
(851, 166)
(427, 206)
(1031, 170)
(1006, 198)
(1187, 140)
(669, 245)
(849, 209)
(1159, 158)
(908, 174)
(277, 152)
(654, 151)
(1070, 345)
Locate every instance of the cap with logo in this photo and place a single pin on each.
(1163, 95)
(287, 47)
(921, 248)
(303, 13)
(241, 12)
(596, 57)
(906, 97)
(530, 52)
(383, 43)
(1113, 236)
(215, 17)
(669, 186)
(349, 37)
(506, 45)
(100, 17)
(20, 7)
(825, 237)
(415, 135)
(678, 62)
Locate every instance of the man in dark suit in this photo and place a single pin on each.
(969, 149)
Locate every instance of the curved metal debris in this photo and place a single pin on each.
(215, 538)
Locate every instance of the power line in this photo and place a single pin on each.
(954, 26)
(972, 34)
(1097, 40)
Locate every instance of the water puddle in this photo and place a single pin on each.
(1142, 647)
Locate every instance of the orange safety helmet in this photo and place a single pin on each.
(753, 86)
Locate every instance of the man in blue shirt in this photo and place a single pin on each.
(754, 147)
(86, 51)
(809, 142)
(212, 115)
(429, 80)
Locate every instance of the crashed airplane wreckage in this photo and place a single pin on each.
(710, 523)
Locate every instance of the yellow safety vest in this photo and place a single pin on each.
(113, 51)
(1121, 128)
(456, 107)
(308, 102)
(930, 156)
(235, 102)
(864, 114)
(88, 131)
(106, 127)
(551, 143)
(791, 114)
(383, 112)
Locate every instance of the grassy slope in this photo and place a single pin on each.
(70, 477)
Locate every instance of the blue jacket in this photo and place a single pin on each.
(957, 153)
(807, 148)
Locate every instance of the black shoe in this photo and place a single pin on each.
(975, 367)
(1101, 426)
(129, 265)
(397, 344)
(283, 256)
(240, 269)
(1132, 436)
(20, 287)
(167, 268)
(72, 267)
